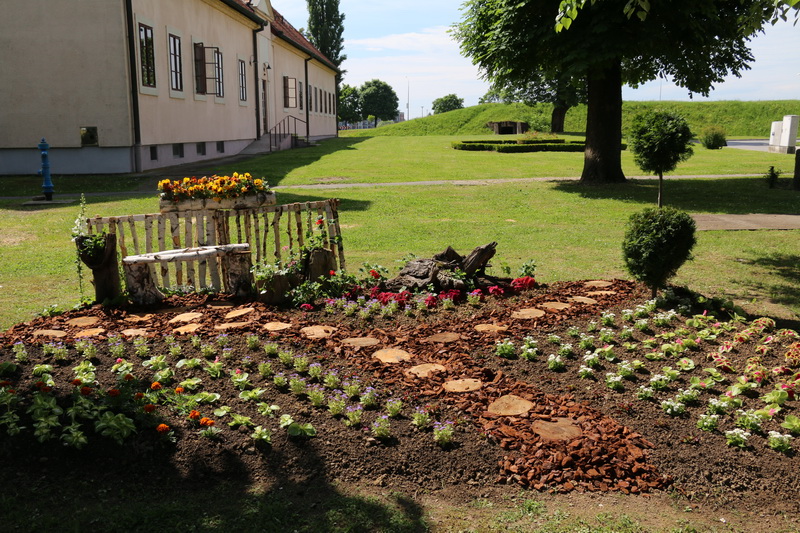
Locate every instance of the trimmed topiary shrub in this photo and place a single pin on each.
(657, 242)
(713, 138)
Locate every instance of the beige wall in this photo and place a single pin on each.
(186, 117)
(64, 65)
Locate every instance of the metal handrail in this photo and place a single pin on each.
(286, 127)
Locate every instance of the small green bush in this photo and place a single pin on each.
(713, 138)
(549, 147)
(657, 242)
(474, 147)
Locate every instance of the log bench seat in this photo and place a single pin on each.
(234, 260)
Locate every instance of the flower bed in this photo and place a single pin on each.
(239, 191)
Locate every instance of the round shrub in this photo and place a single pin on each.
(713, 138)
(657, 242)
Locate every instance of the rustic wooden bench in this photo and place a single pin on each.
(273, 233)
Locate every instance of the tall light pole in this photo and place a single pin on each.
(408, 99)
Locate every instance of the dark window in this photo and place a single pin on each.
(289, 92)
(242, 81)
(300, 94)
(200, 68)
(89, 136)
(201, 148)
(310, 97)
(154, 153)
(147, 55)
(316, 99)
(175, 63)
(218, 85)
(177, 150)
(220, 147)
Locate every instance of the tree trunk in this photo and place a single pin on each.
(557, 118)
(796, 180)
(105, 268)
(236, 273)
(660, 190)
(602, 162)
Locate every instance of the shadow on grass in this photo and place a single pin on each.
(786, 292)
(140, 488)
(720, 195)
(276, 166)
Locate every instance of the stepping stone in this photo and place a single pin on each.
(510, 405)
(392, 356)
(188, 328)
(83, 321)
(239, 312)
(138, 332)
(490, 328)
(425, 369)
(555, 306)
(361, 341)
(598, 283)
(601, 293)
(276, 326)
(231, 325)
(583, 300)
(444, 337)
(53, 333)
(462, 385)
(139, 317)
(92, 332)
(558, 429)
(318, 332)
(528, 313)
(220, 305)
(186, 317)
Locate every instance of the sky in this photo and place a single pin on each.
(407, 45)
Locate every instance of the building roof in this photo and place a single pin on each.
(283, 29)
(244, 7)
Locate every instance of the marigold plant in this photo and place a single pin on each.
(216, 187)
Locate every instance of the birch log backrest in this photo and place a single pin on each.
(274, 233)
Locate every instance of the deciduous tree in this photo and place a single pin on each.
(349, 104)
(378, 99)
(325, 29)
(447, 103)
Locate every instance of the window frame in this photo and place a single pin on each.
(175, 53)
(289, 92)
(147, 56)
(242, 80)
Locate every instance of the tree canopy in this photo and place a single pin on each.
(449, 102)
(696, 43)
(349, 104)
(325, 29)
(379, 100)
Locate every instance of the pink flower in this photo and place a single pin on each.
(496, 290)
(119, 359)
(523, 283)
(430, 301)
(306, 307)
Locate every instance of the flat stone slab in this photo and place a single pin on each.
(425, 369)
(91, 332)
(601, 293)
(139, 332)
(83, 321)
(510, 405)
(231, 325)
(598, 284)
(139, 317)
(188, 328)
(490, 328)
(361, 341)
(276, 326)
(318, 332)
(555, 306)
(392, 356)
(582, 300)
(746, 222)
(53, 333)
(462, 385)
(185, 317)
(527, 313)
(239, 312)
(558, 429)
(444, 337)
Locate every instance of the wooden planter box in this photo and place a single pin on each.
(243, 202)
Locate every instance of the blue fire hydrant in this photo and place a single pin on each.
(47, 184)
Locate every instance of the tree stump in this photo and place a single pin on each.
(141, 288)
(236, 273)
(274, 291)
(318, 264)
(102, 261)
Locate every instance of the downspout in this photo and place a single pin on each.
(257, 91)
(137, 127)
(308, 119)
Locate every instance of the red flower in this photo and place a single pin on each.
(194, 415)
(46, 389)
(430, 301)
(319, 221)
(496, 290)
(332, 273)
(138, 396)
(207, 422)
(374, 274)
(11, 391)
(523, 283)
(149, 408)
(39, 384)
(162, 428)
(77, 382)
(306, 307)
(113, 392)
(86, 391)
(5, 383)
(129, 377)
(156, 385)
(179, 390)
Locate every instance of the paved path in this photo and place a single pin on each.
(746, 222)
